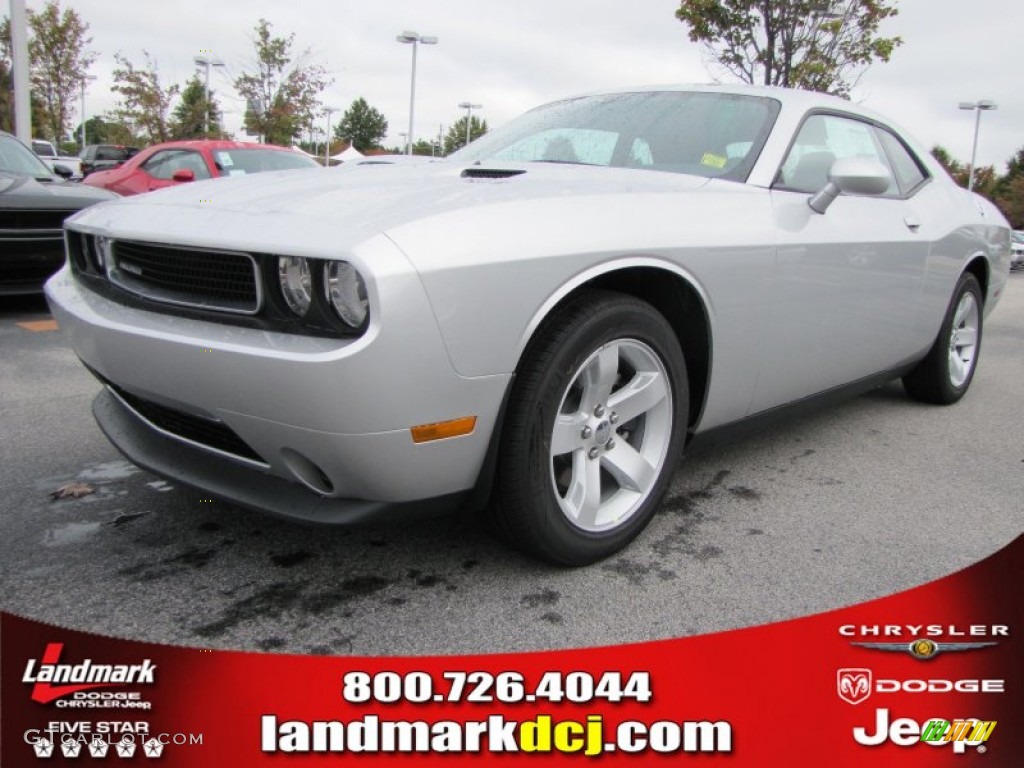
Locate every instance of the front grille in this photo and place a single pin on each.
(213, 434)
(219, 280)
(30, 259)
(13, 220)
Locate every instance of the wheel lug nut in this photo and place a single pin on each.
(609, 445)
(614, 418)
(594, 453)
(586, 433)
(599, 411)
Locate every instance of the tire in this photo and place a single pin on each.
(594, 430)
(944, 376)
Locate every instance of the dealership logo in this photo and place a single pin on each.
(935, 732)
(52, 680)
(923, 648)
(853, 685)
(924, 641)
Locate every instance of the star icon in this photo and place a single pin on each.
(153, 748)
(98, 747)
(43, 748)
(71, 748)
(125, 748)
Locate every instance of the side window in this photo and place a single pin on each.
(822, 140)
(905, 167)
(162, 165)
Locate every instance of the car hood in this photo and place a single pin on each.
(354, 203)
(25, 192)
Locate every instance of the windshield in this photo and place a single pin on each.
(705, 134)
(237, 162)
(1018, 236)
(15, 157)
(43, 149)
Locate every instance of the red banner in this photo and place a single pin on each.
(928, 677)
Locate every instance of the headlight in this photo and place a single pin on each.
(347, 292)
(296, 283)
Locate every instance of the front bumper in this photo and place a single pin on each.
(220, 476)
(327, 420)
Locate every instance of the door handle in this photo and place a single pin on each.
(912, 223)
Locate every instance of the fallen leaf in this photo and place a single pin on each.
(73, 491)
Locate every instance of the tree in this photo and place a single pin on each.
(282, 93)
(819, 45)
(425, 147)
(191, 113)
(362, 126)
(39, 115)
(109, 128)
(6, 78)
(456, 136)
(146, 103)
(1011, 202)
(1006, 191)
(58, 63)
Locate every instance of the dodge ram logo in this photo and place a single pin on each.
(853, 685)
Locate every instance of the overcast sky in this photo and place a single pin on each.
(515, 54)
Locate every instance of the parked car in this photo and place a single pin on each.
(1017, 250)
(101, 157)
(164, 165)
(65, 166)
(544, 320)
(33, 206)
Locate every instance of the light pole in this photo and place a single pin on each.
(85, 79)
(469, 116)
(327, 137)
(978, 107)
(415, 39)
(207, 62)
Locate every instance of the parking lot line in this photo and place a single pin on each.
(39, 325)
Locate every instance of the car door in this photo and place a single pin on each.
(159, 169)
(846, 297)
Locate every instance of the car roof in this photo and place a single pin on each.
(210, 144)
(791, 98)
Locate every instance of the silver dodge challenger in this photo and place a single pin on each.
(536, 326)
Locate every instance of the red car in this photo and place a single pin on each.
(164, 165)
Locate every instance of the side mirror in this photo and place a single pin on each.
(184, 174)
(851, 176)
(63, 171)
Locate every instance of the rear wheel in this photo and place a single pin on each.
(594, 430)
(944, 376)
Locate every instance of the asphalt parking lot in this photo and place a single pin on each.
(850, 503)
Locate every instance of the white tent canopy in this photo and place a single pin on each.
(350, 153)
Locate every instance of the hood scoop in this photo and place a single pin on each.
(491, 173)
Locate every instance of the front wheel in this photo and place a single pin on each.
(594, 430)
(945, 374)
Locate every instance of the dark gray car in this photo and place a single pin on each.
(33, 206)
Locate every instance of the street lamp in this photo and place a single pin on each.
(207, 62)
(415, 39)
(979, 107)
(469, 115)
(85, 79)
(327, 137)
